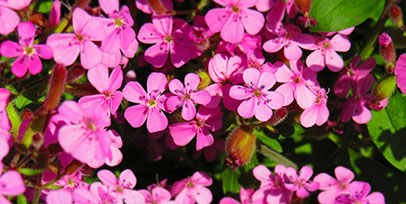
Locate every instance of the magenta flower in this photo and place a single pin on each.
(97, 194)
(193, 190)
(300, 183)
(257, 99)
(186, 96)
(85, 136)
(277, 13)
(28, 53)
(245, 197)
(400, 72)
(290, 38)
(11, 184)
(109, 98)
(169, 36)
(9, 19)
(120, 35)
(206, 120)
(358, 192)
(318, 112)
(150, 105)
(296, 82)
(67, 46)
(333, 187)
(325, 53)
(234, 18)
(55, 15)
(157, 195)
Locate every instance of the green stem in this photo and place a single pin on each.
(38, 190)
(280, 159)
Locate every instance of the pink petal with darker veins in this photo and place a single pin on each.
(20, 66)
(157, 54)
(216, 18)
(44, 51)
(262, 111)
(157, 120)
(233, 30)
(179, 55)
(35, 65)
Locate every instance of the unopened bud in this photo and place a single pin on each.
(240, 146)
(384, 88)
(278, 116)
(205, 80)
(75, 72)
(57, 84)
(396, 15)
(387, 51)
(303, 6)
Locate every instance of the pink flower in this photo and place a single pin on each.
(192, 190)
(67, 46)
(157, 195)
(232, 20)
(97, 194)
(186, 96)
(290, 38)
(325, 53)
(150, 105)
(296, 82)
(169, 36)
(55, 15)
(85, 136)
(11, 184)
(28, 53)
(109, 98)
(257, 99)
(5, 123)
(206, 120)
(400, 72)
(358, 192)
(277, 12)
(120, 35)
(318, 112)
(121, 188)
(9, 19)
(300, 183)
(59, 197)
(245, 197)
(332, 187)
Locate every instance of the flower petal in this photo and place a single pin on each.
(136, 115)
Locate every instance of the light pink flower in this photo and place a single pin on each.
(301, 183)
(332, 187)
(109, 98)
(206, 120)
(193, 190)
(150, 105)
(358, 192)
(257, 99)
(400, 72)
(9, 19)
(245, 197)
(97, 194)
(169, 36)
(296, 82)
(187, 96)
(28, 53)
(318, 112)
(85, 136)
(118, 28)
(157, 195)
(234, 18)
(67, 46)
(11, 184)
(291, 39)
(325, 53)
(145, 6)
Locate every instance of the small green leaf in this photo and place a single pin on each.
(278, 158)
(45, 6)
(270, 142)
(14, 119)
(29, 172)
(387, 129)
(336, 15)
(52, 187)
(230, 180)
(21, 101)
(21, 199)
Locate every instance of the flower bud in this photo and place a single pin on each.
(240, 146)
(278, 116)
(384, 88)
(387, 51)
(396, 15)
(57, 85)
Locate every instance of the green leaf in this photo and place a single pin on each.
(29, 172)
(388, 131)
(270, 142)
(45, 6)
(336, 15)
(14, 119)
(21, 199)
(52, 187)
(230, 180)
(21, 101)
(279, 158)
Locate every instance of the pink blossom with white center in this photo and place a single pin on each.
(358, 193)
(85, 136)
(400, 72)
(193, 190)
(257, 99)
(121, 188)
(325, 53)
(120, 35)
(296, 82)
(301, 183)
(9, 19)
(27, 52)
(187, 96)
(11, 184)
(157, 195)
(318, 112)
(291, 39)
(170, 36)
(206, 120)
(232, 20)
(150, 105)
(332, 187)
(67, 46)
(109, 98)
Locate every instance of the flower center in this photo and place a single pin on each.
(118, 22)
(152, 103)
(28, 50)
(119, 189)
(80, 37)
(91, 125)
(108, 94)
(257, 93)
(168, 38)
(235, 9)
(189, 184)
(326, 45)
